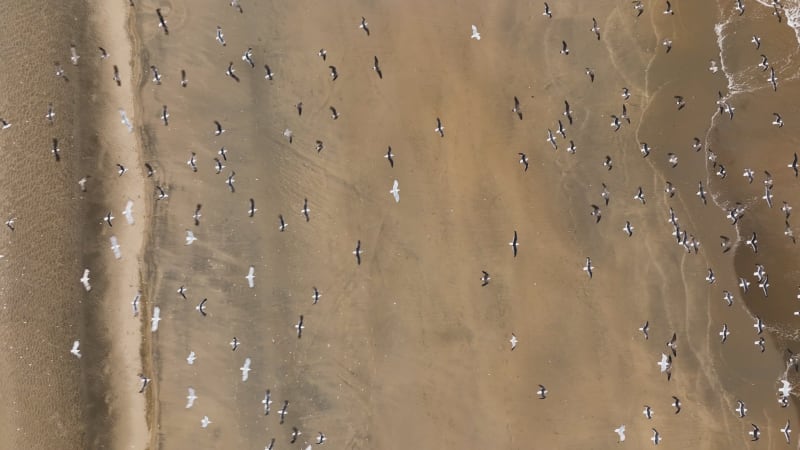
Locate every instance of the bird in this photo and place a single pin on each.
(728, 297)
(547, 12)
(103, 53)
(283, 411)
(710, 278)
(485, 278)
(628, 228)
(334, 73)
(252, 210)
(191, 358)
(588, 268)
(357, 252)
(596, 31)
(305, 209)
(85, 280)
(673, 159)
(155, 319)
(165, 115)
(251, 277)
(334, 113)
(665, 363)
(192, 162)
(295, 433)
(50, 116)
(679, 101)
(672, 344)
(248, 57)
(668, 10)
(56, 151)
(267, 402)
(10, 223)
(551, 139)
(514, 243)
(150, 170)
(760, 343)
(439, 128)
(321, 438)
(299, 326)
(590, 73)
(644, 149)
(182, 291)
(220, 37)
(283, 224)
(395, 192)
(752, 241)
(319, 146)
(620, 433)
(316, 295)
(475, 34)
(608, 163)
(162, 23)
(542, 392)
(656, 437)
(156, 74)
(764, 63)
(231, 72)
(108, 218)
(389, 156)
(514, 341)
(670, 189)
(755, 432)
(364, 26)
(230, 181)
(184, 81)
(778, 122)
(117, 79)
(144, 382)
(667, 43)
(724, 333)
(135, 304)
(676, 403)
(323, 54)
(190, 398)
(772, 79)
(648, 412)
(115, 247)
(645, 329)
(205, 422)
(234, 343)
(701, 192)
(218, 130)
(269, 74)
(639, 195)
(516, 109)
(190, 238)
(793, 165)
(196, 216)
(786, 430)
(201, 307)
(271, 444)
(76, 349)
(741, 409)
(245, 369)
(564, 48)
(756, 41)
(376, 67)
(218, 166)
(567, 112)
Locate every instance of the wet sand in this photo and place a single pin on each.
(405, 350)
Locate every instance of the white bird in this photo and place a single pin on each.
(665, 363)
(85, 280)
(786, 430)
(191, 358)
(475, 34)
(245, 369)
(115, 247)
(135, 304)
(395, 191)
(513, 341)
(76, 349)
(190, 237)
(128, 212)
(620, 432)
(251, 277)
(156, 318)
(786, 389)
(205, 422)
(190, 398)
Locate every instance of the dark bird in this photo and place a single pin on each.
(523, 159)
(389, 156)
(282, 412)
(196, 216)
(542, 392)
(184, 81)
(268, 74)
(793, 165)
(295, 433)
(516, 108)
(645, 329)
(182, 292)
(514, 243)
(150, 170)
(162, 23)
(564, 48)
(439, 128)
(252, 211)
(485, 278)
(230, 181)
(679, 101)
(676, 403)
(232, 73)
(323, 54)
(357, 252)
(334, 73)
(305, 209)
(164, 115)
(299, 107)
(595, 28)
(672, 344)
(201, 307)
(300, 327)
(567, 112)
(364, 26)
(55, 150)
(116, 76)
(547, 12)
(283, 224)
(377, 68)
(218, 128)
(334, 114)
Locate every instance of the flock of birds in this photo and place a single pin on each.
(680, 234)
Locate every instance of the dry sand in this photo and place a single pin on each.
(406, 350)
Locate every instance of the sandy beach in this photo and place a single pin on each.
(403, 348)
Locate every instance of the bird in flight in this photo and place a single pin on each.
(357, 252)
(190, 398)
(513, 341)
(251, 277)
(475, 34)
(76, 349)
(395, 192)
(514, 243)
(85, 280)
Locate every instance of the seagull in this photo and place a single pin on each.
(231, 72)
(514, 243)
(667, 43)
(150, 170)
(786, 388)
(755, 432)
(182, 292)
(10, 223)
(282, 412)
(218, 130)
(230, 181)
(319, 146)
(299, 326)
(321, 438)
(485, 278)
(542, 392)
(439, 128)
(753, 242)
(665, 363)
(85, 280)
(590, 73)
(50, 116)
(513, 341)
(196, 216)
(268, 74)
(316, 295)
(778, 122)
(564, 48)
(607, 163)
(377, 68)
(547, 12)
(155, 319)
(475, 34)
(234, 343)
(596, 213)
(191, 358)
(334, 73)
(220, 37)
(772, 79)
(764, 64)
(786, 430)
(551, 139)
(248, 57)
(672, 344)
(628, 228)
(76, 350)
(673, 159)
(761, 344)
(523, 159)
(741, 409)
(156, 75)
(363, 25)
(283, 224)
(395, 192)
(561, 130)
(756, 41)
(645, 149)
(103, 53)
(334, 114)
(218, 166)
(205, 422)
(323, 54)
(115, 247)
(645, 329)
(190, 398)
(588, 267)
(639, 195)
(728, 297)
(656, 437)
(669, 9)
(679, 101)
(162, 23)
(516, 109)
(201, 307)
(190, 237)
(56, 151)
(676, 403)
(295, 433)
(184, 81)
(648, 412)
(135, 304)
(744, 284)
(245, 369)
(724, 333)
(305, 209)
(567, 112)
(390, 156)
(620, 432)
(357, 252)
(252, 210)
(192, 162)
(710, 277)
(749, 174)
(768, 195)
(670, 189)
(251, 277)
(701, 192)
(596, 31)
(605, 194)
(267, 402)
(145, 381)
(165, 115)
(793, 165)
